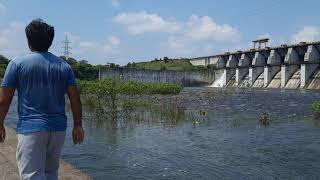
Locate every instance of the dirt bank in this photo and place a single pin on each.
(8, 164)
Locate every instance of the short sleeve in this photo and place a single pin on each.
(71, 77)
(10, 78)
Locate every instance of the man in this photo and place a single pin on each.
(41, 79)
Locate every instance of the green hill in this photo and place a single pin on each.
(165, 64)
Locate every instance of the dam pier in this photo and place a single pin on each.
(285, 66)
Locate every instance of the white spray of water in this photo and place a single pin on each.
(218, 82)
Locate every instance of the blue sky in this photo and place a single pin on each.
(121, 31)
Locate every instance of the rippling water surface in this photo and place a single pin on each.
(207, 138)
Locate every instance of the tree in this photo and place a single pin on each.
(4, 60)
(83, 62)
(71, 61)
(112, 65)
(162, 68)
(3, 65)
(128, 65)
(165, 59)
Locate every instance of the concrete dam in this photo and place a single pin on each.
(184, 78)
(286, 66)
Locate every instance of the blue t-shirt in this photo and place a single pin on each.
(41, 80)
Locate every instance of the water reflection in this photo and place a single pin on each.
(234, 104)
(314, 120)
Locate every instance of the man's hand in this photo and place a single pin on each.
(77, 135)
(6, 95)
(2, 133)
(75, 102)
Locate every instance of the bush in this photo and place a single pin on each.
(316, 109)
(112, 87)
(212, 66)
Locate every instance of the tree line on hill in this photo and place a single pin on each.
(82, 69)
(85, 71)
(166, 63)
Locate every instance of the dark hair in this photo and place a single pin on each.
(40, 35)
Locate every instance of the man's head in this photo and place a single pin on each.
(40, 35)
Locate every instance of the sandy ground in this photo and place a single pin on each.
(8, 164)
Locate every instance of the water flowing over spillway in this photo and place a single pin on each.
(259, 81)
(276, 81)
(232, 82)
(245, 82)
(294, 81)
(218, 82)
(314, 81)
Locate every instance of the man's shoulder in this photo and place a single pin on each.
(55, 58)
(21, 58)
(27, 58)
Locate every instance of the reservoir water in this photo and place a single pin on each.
(208, 133)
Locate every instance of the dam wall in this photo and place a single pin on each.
(184, 78)
(285, 66)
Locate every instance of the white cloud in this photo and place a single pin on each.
(204, 28)
(308, 33)
(112, 43)
(96, 52)
(202, 36)
(115, 41)
(115, 3)
(272, 41)
(87, 44)
(266, 35)
(197, 35)
(12, 40)
(143, 22)
(14, 43)
(2, 9)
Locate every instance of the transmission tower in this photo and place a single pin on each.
(66, 48)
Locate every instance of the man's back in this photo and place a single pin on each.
(41, 80)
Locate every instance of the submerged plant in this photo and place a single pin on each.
(102, 97)
(264, 119)
(316, 109)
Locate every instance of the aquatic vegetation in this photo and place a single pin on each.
(171, 113)
(316, 109)
(264, 119)
(112, 87)
(197, 118)
(114, 99)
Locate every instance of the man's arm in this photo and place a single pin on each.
(6, 95)
(75, 102)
